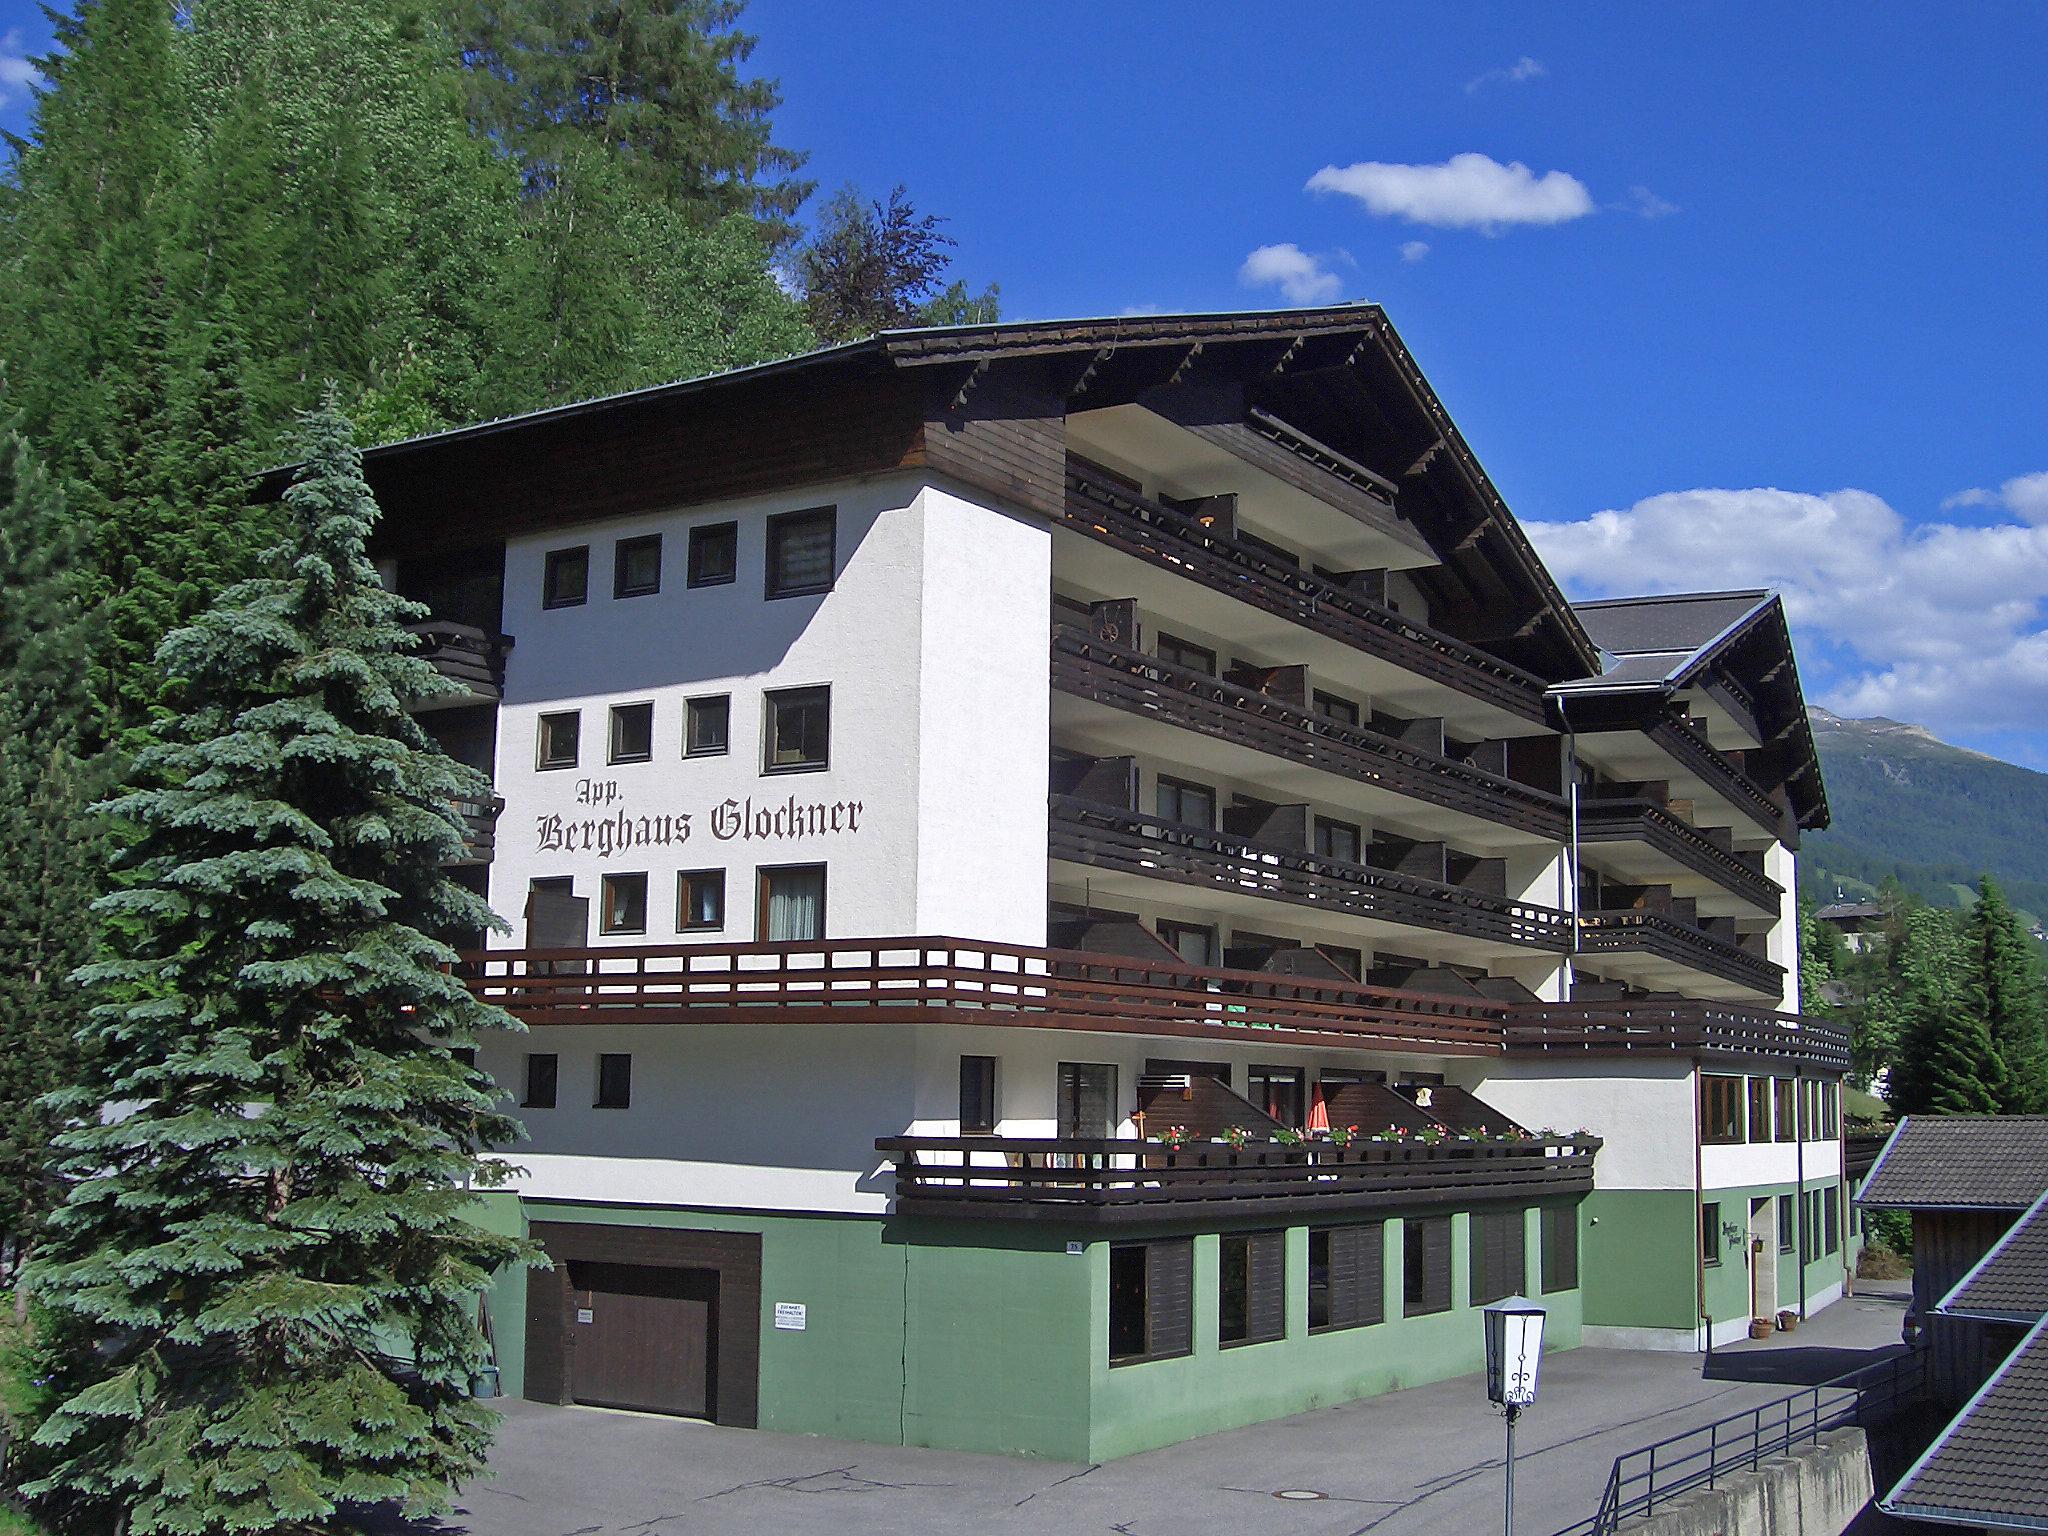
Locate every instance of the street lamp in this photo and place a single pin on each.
(1514, 1346)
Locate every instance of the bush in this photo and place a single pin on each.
(1890, 1229)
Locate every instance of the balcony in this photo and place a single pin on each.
(1176, 542)
(1660, 937)
(479, 829)
(1104, 837)
(959, 981)
(1127, 1180)
(1641, 821)
(1145, 686)
(1706, 762)
(464, 654)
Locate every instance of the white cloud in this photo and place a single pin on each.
(1414, 250)
(1937, 623)
(1524, 68)
(1304, 278)
(1648, 205)
(17, 72)
(1468, 191)
(2024, 495)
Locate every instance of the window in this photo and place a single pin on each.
(636, 566)
(800, 552)
(799, 728)
(565, 582)
(1831, 1217)
(1278, 1091)
(1334, 708)
(1560, 1247)
(977, 1095)
(1425, 1265)
(1151, 1286)
(543, 1070)
(1193, 805)
(707, 726)
(1759, 1109)
(1710, 1233)
(1086, 1104)
(714, 554)
(792, 904)
(1185, 653)
(1788, 1217)
(1830, 1095)
(614, 1080)
(558, 739)
(632, 733)
(700, 899)
(623, 904)
(1499, 1255)
(1720, 1110)
(1193, 942)
(1345, 1266)
(1251, 1287)
(1339, 840)
(1785, 1108)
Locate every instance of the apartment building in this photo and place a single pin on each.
(1074, 885)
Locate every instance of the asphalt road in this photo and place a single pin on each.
(1425, 1460)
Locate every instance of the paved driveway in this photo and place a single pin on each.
(1425, 1460)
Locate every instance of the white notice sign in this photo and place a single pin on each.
(790, 1315)
(585, 1315)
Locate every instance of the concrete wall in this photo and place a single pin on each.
(1817, 1490)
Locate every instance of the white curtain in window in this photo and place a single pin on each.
(796, 905)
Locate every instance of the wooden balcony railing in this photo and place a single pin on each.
(1608, 821)
(1652, 933)
(1173, 541)
(1181, 696)
(1705, 760)
(1104, 837)
(1027, 1178)
(959, 981)
(479, 829)
(464, 654)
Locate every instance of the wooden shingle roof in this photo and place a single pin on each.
(2010, 1283)
(1960, 1163)
(1989, 1468)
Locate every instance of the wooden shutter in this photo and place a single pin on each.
(1499, 1255)
(1357, 1275)
(1560, 1247)
(1266, 1315)
(1169, 1297)
(1431, 1237)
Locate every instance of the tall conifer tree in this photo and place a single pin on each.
(1946, 1064)
(283, 1207)
(2005, 991)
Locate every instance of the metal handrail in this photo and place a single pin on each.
(1655, 1474)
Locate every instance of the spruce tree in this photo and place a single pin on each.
(276, 1214)
(2005, 991)
(1946, 1064)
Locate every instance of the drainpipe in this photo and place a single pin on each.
(1799, 1165)
(1571, 749)
(1699, 1204)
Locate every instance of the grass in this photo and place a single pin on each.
(18, 1396)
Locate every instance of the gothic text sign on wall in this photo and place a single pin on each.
(746, 820)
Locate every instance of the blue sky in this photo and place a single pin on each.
(1722, 295)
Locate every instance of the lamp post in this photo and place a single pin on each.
(1514, 1346)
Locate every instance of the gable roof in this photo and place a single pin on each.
(1677, 624)
(1987, 1469)
(1960, 1162)
(2010, 1283)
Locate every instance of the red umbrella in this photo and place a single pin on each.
(1318, 1111)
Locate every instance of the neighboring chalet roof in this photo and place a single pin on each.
(1328, 398)
(1960, 1163)
(1735, 646)
(1988, 1469)
(1849, 911)
(2010, 1283)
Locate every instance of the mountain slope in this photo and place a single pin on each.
(1929, 815)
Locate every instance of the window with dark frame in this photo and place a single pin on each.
(565, 577)
(1785, 1108)
(543, 1074)
(700, 900)
(614, 1081)
(1335, 708)
(632, 733)
(1176, 652)
(1760, 1109)
(1251, 1288)
(560, 736)
(799, 730)
(1710, 1233)
(1425, 1265)
(1345, 1270)
(1339, 840)
(792, 903)
(1499, 1255)
(1831, 1217)
(714, 554)
(1560, 1247)
(622, 904)
(1788, 1220)
(1190, 804)
(977, 1095)
(1151, 1313)
(1279, 1092)
(707, 726)
(1195, 943)
(636, 566)
(801, 552)
(1720, 1110)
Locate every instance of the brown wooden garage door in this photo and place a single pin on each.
(674, 1320)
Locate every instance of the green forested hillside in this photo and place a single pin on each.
(1931, 816)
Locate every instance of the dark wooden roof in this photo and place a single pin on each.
(1961, 1162)
(1676, 624)
(987, 405)
(2010, 1283)
(1989, 1468)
